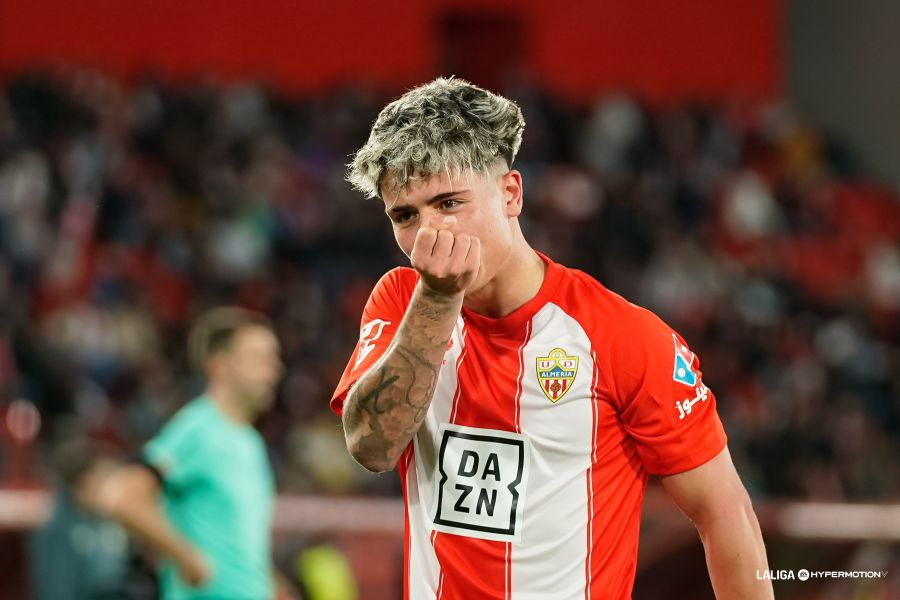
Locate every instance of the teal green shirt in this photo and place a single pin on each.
(218, 492)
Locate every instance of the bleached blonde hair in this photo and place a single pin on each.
(446, 125)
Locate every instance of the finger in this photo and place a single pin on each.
(444, 244)
(460, 251)
(423, 246)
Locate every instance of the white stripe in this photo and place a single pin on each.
(423, 566)
(561, 437)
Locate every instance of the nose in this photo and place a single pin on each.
(439, 221)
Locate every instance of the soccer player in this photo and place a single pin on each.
(203, 493)
(523, 403)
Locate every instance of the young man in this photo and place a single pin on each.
(523, 403)
(203, 493)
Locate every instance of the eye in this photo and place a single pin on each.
(403, 217)
(450, 203)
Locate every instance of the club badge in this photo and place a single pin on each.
(555, 373)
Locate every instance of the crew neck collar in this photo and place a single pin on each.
(517, 318)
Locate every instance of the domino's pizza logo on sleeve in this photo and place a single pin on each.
(685, 374)
(684, 364)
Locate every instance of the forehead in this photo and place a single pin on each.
(254, 336)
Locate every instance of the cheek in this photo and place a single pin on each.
(406, 238)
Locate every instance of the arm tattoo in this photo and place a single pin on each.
(386, 407)
(372, 396)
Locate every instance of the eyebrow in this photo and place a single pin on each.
(395, 209)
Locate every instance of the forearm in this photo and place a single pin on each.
(146, 521)
(131, 496)
(386, 407)
(735, 553)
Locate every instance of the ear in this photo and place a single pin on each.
(511, 189)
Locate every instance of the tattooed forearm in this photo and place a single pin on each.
(372, 396)
(387, 405)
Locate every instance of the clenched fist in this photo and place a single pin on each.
(447, 263)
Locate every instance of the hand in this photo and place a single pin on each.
(193, 568)
(447, 263)
(284, 588)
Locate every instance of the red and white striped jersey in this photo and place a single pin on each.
(526, 478)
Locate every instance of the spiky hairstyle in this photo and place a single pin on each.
(442, 126)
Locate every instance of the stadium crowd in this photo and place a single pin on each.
(126, 211)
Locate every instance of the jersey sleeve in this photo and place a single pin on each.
(174, 452)
(665, 406)
(380, 319)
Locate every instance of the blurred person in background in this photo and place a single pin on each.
(78, 554)
(324, 573)
(524, 404)
(203, 493)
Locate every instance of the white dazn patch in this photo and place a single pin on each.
(481, 486)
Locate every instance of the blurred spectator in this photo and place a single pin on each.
(127, 211)
(78, 554)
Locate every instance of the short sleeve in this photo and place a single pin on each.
(380, 319)
(175, 451)
(665, 406)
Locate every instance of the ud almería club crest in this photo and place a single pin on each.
(556, 372)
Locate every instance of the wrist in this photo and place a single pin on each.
(429, 293)
(183, 551)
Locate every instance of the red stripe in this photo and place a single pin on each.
(407, 540)
(488, 396)
(518, 419)
(453, 412)
(588, 563)
(440, 587)
(508, 571)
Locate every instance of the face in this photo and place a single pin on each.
(252, 367)
(482, 206)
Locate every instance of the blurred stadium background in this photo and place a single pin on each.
(734, 166)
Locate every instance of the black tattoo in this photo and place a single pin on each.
(372, 395)
(388, 404)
